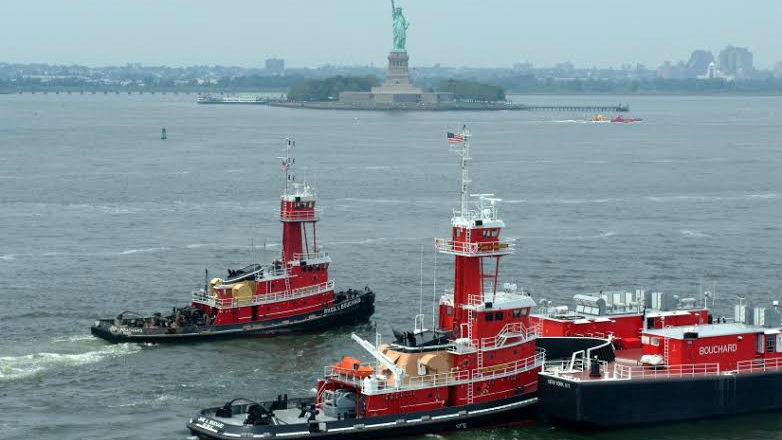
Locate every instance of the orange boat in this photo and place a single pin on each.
(350, 366)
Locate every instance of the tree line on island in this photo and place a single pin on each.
(329, 89)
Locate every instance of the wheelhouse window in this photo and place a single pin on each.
(498, 316)
(516, 313)
(489, 316)
(771, 344)
(495, 233)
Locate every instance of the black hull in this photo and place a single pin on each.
(512, 411)
(349, 311)
(624, 403)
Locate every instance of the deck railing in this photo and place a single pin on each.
(293, 215)
(484, 248)
(309, 255)
(759, 365)
(648, 372)
(575, 372)
(209, 299)
(509, 369)
(442, 379)
(509, 331)
(341, 374)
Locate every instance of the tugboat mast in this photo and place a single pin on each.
(287, 161)
(463, 150)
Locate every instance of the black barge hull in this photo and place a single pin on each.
(512, 411)
(623, 403)
(349, 310)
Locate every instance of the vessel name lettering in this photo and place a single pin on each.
(125, 330)
(210, 422)
(558, 383)
(344, 305)
(717, 349)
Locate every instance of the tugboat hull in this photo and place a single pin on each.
(347, 309)
(594, 404)
(511, 411)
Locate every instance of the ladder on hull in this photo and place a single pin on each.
(666, 353)
(471, 383)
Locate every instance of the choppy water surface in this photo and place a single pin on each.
(98, 215)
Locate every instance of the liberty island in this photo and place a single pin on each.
(398, 93)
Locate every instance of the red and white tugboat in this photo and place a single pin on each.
(677, 373)
(292, 294)
(478, 368)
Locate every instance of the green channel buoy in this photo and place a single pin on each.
(163, 134)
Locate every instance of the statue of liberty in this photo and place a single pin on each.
(400, 28)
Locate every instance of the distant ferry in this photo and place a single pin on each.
(601, 118)
(258, 100)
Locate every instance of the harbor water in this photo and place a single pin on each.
(99, 215)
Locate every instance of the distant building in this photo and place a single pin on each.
(778, 70)
(670, 71)
(736, 61)
(523, 68)
(698, 64)
(712, 72)
(564, 70)
(275, 65)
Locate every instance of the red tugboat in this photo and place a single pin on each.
(478, 368)
(292, 294)
(677, 373)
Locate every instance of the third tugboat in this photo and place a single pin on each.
(292, 294)
(478, 368)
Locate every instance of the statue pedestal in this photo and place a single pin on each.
(396, 91)
(397, 87)
(397, 78)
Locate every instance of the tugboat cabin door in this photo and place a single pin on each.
(760, 344)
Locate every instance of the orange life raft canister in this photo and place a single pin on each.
(352, 367)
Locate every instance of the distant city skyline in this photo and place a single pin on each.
(357, 32)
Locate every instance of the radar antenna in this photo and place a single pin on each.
(287, 161)
(463, 150)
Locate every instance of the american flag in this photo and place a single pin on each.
(454, 138)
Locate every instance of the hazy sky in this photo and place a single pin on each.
(449, 32)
